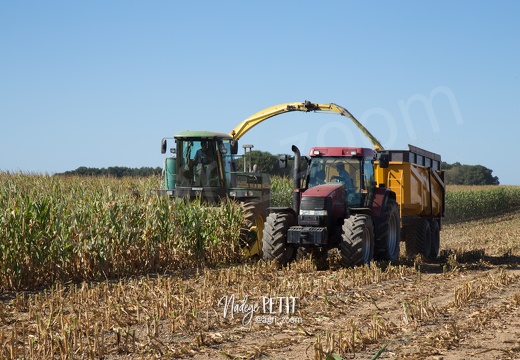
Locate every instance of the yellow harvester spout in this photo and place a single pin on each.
(305, 106)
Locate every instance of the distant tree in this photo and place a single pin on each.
(114, 171)
(457, 174)
(265, 162)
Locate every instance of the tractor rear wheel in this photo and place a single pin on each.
(435, 239)
(357, 240)
(417, 236)
(274, 240)
(388, 233)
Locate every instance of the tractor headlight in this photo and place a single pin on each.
(314, 212)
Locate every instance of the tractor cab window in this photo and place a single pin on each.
(338, 170)
(198, 163)
(368, 181)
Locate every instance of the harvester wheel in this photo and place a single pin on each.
(274, 241)
(357, 243)
(388, 233)
(435, 239)
(417, 236)
(252, 229)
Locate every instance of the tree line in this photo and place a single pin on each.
(114, 171)
(455, 174)
(458, 174)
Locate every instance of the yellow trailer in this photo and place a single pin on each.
(416, 178)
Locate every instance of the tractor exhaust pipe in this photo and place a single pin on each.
(296, 179)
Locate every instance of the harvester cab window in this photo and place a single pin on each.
(229, 162)
(199, 163)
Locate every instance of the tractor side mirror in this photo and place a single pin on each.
(163, 146)
(384, 160)
(282, 162)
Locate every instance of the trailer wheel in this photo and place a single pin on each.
(252, 228)
(274, 241)
(417, 236)
(435, 239)
(388, 236)
(357, 241)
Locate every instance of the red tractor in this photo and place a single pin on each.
(336, 204)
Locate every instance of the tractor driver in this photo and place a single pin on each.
(343, 176)
(202, 155)
(203, 163)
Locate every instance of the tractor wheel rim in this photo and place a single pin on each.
(366, 246)
(392, 234)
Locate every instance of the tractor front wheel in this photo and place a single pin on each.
(357, 243)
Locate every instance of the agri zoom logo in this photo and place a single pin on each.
(268, 310)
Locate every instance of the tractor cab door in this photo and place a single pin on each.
(368, 181)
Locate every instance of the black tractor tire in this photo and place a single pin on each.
(317, 255)
(435, 239)
(417, 236)
(388, 233)
(357, 240)
(251, 218)
(274, 241)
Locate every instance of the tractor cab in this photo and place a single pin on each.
(351, 167)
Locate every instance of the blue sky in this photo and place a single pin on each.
(99, 83)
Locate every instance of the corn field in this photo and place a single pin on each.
(473, 202)
(281, 191)
(73, 229)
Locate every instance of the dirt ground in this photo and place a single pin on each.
(465, 304)
(433, 325)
